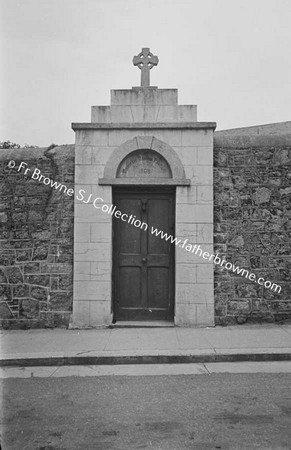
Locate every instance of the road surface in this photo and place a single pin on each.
(201, 412)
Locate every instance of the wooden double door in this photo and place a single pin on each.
(143, 268)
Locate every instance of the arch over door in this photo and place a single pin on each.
(161, 152)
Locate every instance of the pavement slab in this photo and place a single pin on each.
(145, 345)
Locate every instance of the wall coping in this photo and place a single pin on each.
(143, 125)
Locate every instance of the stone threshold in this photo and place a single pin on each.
(140, 324)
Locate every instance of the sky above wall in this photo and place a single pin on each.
(230, 57)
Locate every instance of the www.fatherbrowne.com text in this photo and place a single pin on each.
(98, 203)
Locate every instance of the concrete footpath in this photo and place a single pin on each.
(167, 345)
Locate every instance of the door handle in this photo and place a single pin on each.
(144, 260)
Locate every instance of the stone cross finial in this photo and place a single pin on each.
(145, 61)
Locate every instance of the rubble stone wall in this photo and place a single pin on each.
(252, 222)
(36, 239)
(252, 230)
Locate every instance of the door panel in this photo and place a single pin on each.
(158, 285)
(158, 217)
(130, 285)
(129, 234)
(143, 275)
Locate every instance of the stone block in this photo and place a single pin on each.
(185, 315)
(23, 233)
(14, 274)
(40, 252)
(186, 194)
(238, 307)
(205, 315)
(118, 137)
(123, 97)
(194, 293)
(167, 96)
(88, 213)
(3, 276)
(202, 175)
(81, 314)
(100, 114)
(29, 308)
(184, 256)
(144, 113)
(21, 290)
(43, 235)
(3, 217)
(187, 113)
(23, 255)
(205, 233)
(82, 232)
(194, 213)
(39, 293)
(66, 282)
(39, 280)
(101, 232)
(172, 137)
(82, 270)
(88, 173)
(100, 313)
(4, 288)
(56, 268)
(187, 231)
(100, 155)
(5, 311)
(104, 192)
(205, 195)
(205, 273)
(144, 96)
(61, 301)
(167, 113)
(92, 290)
(47, 318)
(197, 138)
(87, 188)
(87, 194)
(92, 137)
(101, 271)
(31, 267)
(121, 113)
(54, 282)
(186, 273)
(262, 195)
(93, 252)
(280, 307)
(7, 258)
(220, 304)
(205, 156)
(61, 319)
(83, 154)
(187, 155)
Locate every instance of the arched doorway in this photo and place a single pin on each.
(143, 190)
(143, 263)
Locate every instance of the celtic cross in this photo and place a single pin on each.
(145, 61)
